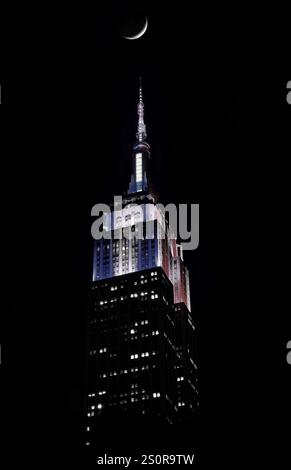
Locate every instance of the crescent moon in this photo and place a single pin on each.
(140, 34)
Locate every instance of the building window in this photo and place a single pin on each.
(138, 167)
(145, 354)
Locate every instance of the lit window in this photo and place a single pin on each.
(138, 167)
(99, 406)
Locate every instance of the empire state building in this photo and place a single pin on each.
(141, 335)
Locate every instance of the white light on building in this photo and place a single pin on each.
(138, 167)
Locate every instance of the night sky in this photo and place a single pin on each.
(218, 124)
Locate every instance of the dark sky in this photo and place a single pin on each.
(218, 125)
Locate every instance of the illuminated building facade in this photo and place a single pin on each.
(141, 334)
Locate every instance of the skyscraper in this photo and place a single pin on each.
(141, 347)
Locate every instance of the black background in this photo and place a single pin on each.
(218, 124)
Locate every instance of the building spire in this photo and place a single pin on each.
(140, 178)
(141, 134)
